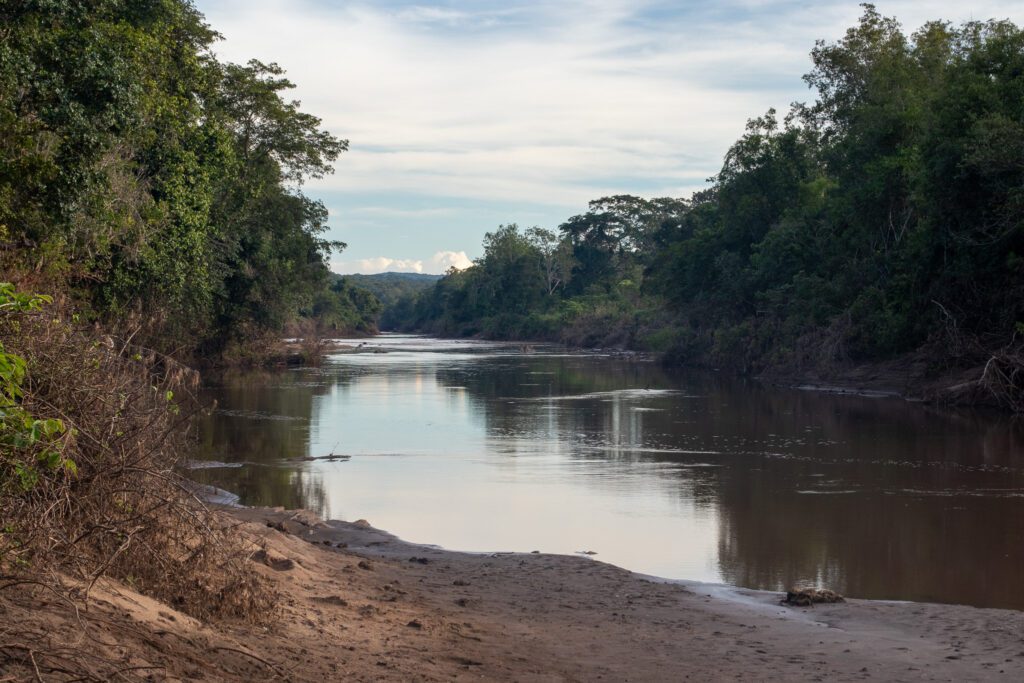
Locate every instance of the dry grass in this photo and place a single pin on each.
(252, 349)
(126, 513)
(312, 343)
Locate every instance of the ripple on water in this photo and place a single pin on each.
(618, 393)
(812, 492)
(257, 415)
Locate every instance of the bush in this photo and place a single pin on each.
(661, 340)
(111, 502)
(689, 348)
(29, 447)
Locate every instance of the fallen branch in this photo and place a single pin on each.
(252, 656)
(1003, 378)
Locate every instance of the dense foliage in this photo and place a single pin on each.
(151, 181)
(885, 217)
(391, 286)
(344, 307)
(152, 192)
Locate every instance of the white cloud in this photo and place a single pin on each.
(398, 212)
(378, 264)
(427, 15)
(443, 260)
(568, 101)
(557, 113)
(440, 262)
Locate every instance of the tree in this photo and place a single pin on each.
(142, 176)
(556, 257)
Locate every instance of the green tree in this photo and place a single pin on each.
(145, 177)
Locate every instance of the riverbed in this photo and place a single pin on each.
(485, 447)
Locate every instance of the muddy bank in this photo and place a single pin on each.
(915, 376)
(359, 604)
(911, 378)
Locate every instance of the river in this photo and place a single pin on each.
(481, 446)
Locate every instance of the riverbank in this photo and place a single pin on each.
(359, 604)
(910, 377)
(916, 377)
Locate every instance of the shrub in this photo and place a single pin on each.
(28, 446)
(108, 423)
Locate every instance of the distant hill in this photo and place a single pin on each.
(390, 287)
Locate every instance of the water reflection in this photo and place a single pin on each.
(261, 419)
(691, 475)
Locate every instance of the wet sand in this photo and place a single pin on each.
(360, 605)
(416, 612)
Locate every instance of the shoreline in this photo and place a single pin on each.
(906, 377)
(363, 535)
(358, 604)
(566, 617)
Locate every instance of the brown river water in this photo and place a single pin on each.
(691, 475)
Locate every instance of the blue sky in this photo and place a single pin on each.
(462, 116)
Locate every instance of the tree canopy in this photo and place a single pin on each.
(152, 181)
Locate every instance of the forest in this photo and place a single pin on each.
(882, 219)
(155, 189)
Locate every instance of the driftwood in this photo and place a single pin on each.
(1003, 377)
(333, 457)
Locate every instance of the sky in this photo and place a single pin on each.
(463, 116)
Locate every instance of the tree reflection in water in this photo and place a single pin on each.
(873, 497)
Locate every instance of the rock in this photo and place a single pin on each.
(273, 560)
(808, 597)
(333, 600)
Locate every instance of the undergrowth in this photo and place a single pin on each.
(93, 427)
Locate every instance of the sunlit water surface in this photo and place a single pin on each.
(486, 447)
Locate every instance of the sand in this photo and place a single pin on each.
(377, 608)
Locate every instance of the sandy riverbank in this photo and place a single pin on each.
(377, 608)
